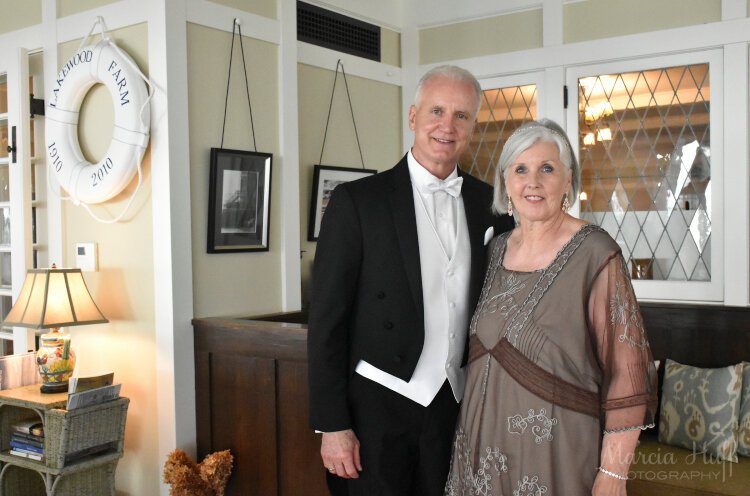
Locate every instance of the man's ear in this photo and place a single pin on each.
(412, 116)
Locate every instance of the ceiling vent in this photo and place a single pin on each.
(338, 32)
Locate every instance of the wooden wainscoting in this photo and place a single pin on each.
(251, 398)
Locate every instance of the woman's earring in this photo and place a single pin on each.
(565, 203)
(510, 206)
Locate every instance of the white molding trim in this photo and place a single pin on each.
(172, 243)
(288, 164)
(116, 15)
(552, 23)
(55, 236)
(31, 38)
(409, 73)
(664, 42)
(355, 66)
(220, 17)
(737, 183)
(733, 9)
(425, 17)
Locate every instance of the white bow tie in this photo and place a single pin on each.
(452, 187)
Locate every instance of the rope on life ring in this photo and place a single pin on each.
(88, 183)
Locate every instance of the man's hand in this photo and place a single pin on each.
(340, 453)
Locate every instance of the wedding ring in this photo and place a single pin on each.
(332, 470)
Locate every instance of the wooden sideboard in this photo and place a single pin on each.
(251, 398)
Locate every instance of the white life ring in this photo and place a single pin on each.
(106, 64)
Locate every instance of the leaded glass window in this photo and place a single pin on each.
(645, 153)
(502, 111)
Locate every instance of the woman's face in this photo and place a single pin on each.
(537, 181)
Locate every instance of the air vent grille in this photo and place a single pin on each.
(335, 31)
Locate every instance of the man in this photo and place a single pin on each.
(398, 271)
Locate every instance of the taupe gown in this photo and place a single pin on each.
(548, 373)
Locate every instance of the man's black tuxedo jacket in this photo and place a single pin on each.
(366, 299)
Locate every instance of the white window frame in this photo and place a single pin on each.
(14, 62)
(712, 291)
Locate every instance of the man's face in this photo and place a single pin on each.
(442, 121)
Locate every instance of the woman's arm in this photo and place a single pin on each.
(628, 389)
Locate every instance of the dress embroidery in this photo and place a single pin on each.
(625, 313)
(466, 482)
(542, 429)
(503, 302)
(530, 486)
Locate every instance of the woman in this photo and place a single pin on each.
(560, 376)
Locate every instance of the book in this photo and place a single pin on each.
(26, 447)
(28, 439)
(79, 384)
(33, 456)
(32, 426)
(93, 396)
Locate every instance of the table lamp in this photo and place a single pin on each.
(50, 299)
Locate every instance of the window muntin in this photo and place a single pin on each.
(645, 153)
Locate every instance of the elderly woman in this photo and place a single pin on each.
(560, 376)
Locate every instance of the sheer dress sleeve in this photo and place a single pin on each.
(628, 388)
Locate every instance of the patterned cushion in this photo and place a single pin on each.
(700, 409)
(744, 437)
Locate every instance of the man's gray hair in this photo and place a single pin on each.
(456, 74)
(521, 140)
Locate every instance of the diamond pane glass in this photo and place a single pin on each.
(502, 111)
(645, 153)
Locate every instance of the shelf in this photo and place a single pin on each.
(39, 466)
(82, 447)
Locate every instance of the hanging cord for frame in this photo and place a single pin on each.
(351, 109)
(236, 24)
(103, 31)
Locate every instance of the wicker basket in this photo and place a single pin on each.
(72, 436)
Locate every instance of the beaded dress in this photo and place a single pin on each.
(548, 374)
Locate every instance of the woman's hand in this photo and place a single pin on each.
(604, 485)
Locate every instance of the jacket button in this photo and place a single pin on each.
(397, 359)
(381, 295)
(388, 325)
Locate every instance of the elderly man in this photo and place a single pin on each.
(397, 274)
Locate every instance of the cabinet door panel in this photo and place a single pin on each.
(299, 447)
(243, 419)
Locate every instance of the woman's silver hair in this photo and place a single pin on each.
(456, 74)
(521, 140)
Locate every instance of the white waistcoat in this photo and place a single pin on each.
(445, 291)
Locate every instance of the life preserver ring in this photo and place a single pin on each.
(106, 64)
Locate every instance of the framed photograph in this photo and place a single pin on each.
(325, 178)
(238, 201)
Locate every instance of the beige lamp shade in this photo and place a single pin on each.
(54, 298)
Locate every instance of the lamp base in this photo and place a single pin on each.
(54, 388)
(56, 361)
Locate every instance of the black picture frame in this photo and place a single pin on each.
(239, 201)
(325, 179)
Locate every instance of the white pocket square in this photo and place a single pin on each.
(488, 235)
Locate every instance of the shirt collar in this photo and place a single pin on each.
(420, 176)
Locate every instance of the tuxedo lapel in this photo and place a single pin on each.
(401, 201)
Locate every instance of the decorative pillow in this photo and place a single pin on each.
(744, 437)
(700, 409)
